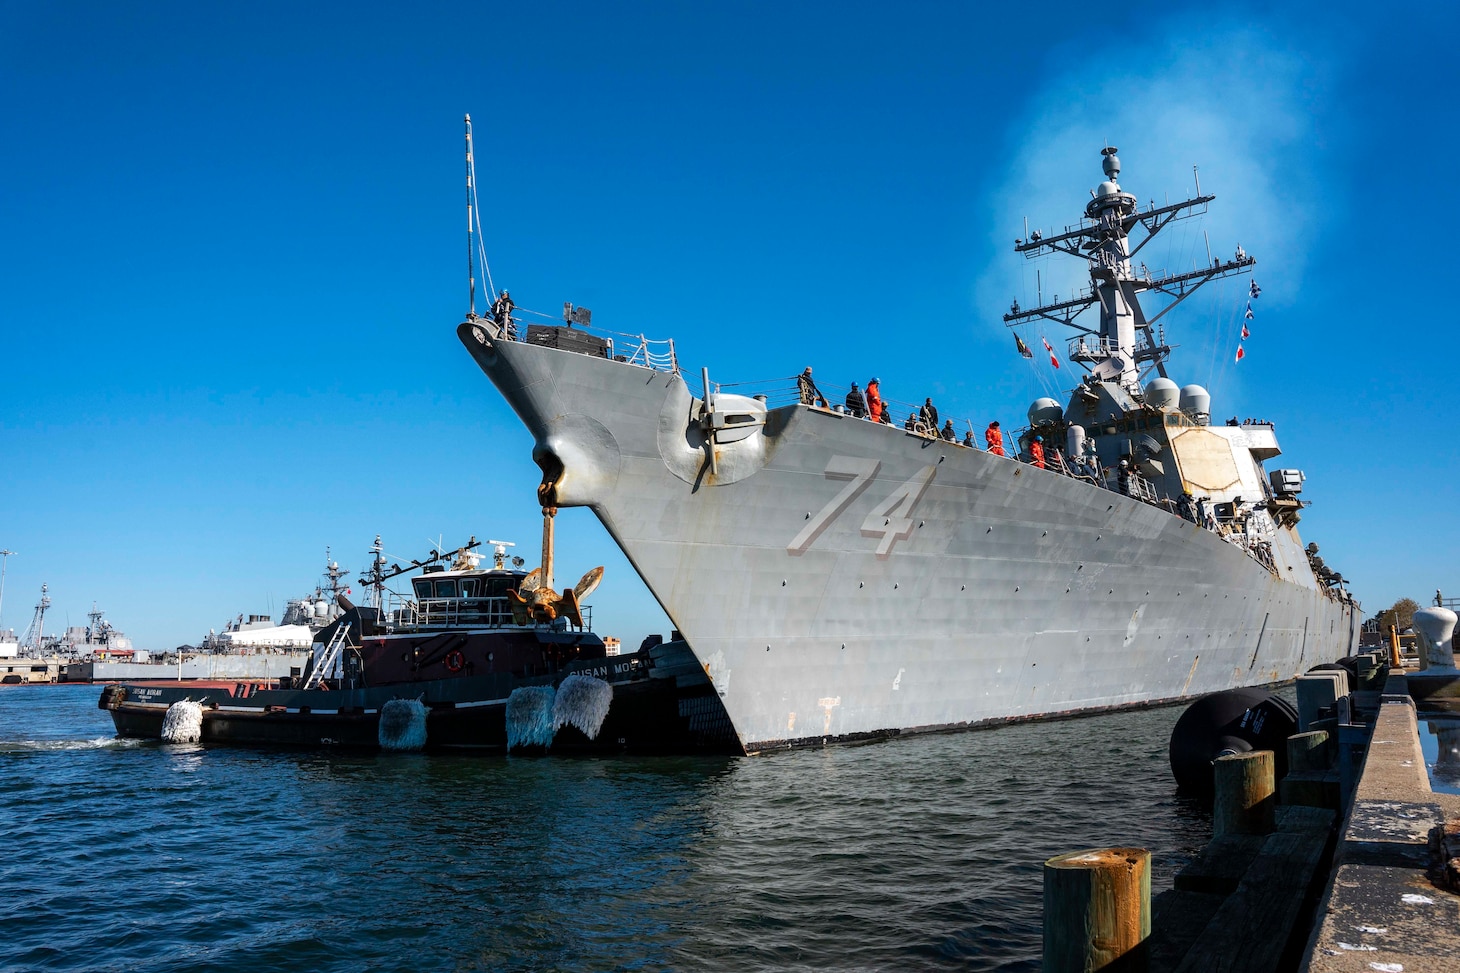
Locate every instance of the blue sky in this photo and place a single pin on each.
(234, 255)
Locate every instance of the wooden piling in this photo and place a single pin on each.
(1308, 752)
(1097, 909)
(1245, 793)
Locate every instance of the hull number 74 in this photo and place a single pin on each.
(890, 520)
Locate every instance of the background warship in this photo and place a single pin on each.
(840, 579)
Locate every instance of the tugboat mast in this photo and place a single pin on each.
(1124, 341)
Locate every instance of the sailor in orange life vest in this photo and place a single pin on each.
(994, 437)
(874, 401)
(1036, 452)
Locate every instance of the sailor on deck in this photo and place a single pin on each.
(502, 314)
(929, 413)
(810, 394)
(874, 401)
(1036, 452)
(856, 402)
(994, 437)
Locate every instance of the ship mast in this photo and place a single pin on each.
(5, 556)
(377, 569)
(1124, 341)
(38, 623)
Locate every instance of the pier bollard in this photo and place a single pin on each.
(1308, 783)
(1372, 671)
(1435, 627)
(1097, 909)
(1308, 752)
(1318, 691)
(1245, 786)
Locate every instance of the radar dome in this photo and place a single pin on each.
(1045, 410)
(1107, 189)
(1196, 402)
(1162, 393)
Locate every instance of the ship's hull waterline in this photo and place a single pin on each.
(840, 579)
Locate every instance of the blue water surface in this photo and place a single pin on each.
(922, 853)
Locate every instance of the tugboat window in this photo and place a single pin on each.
(446, 589)
(423, 589)
(469, 587)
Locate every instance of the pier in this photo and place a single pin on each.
(1348, 864)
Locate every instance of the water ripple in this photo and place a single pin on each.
(922, 853)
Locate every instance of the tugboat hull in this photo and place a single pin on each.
(650, 712)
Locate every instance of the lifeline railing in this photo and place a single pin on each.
(405, 614)
(632, 349)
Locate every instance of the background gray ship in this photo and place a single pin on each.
(842, 579)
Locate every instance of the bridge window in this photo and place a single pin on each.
(446, 589)
(498, 587)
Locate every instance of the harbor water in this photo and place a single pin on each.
(919, 853)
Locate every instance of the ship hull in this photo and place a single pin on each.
(841, 580)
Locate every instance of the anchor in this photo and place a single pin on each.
(535, 598)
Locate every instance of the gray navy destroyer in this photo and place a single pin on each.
(840, 579)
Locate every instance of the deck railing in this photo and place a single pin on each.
(407, 614)
(632, 349)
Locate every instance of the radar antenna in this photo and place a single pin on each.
(379, 574)
(1111, 350)
(377, 565)
(499, 554)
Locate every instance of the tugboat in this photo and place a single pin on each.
(492, 659)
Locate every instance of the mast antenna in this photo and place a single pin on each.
(1112, 232)
(471, 277)
(4, 556)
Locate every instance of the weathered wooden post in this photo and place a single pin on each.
(1244, 785)
(1097, 909)
(1308, 752)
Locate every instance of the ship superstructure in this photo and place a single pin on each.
(841, 579)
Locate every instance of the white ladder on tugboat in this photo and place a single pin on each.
(329, 658)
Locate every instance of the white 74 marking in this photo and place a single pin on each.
(860, 472)
(891, 520)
